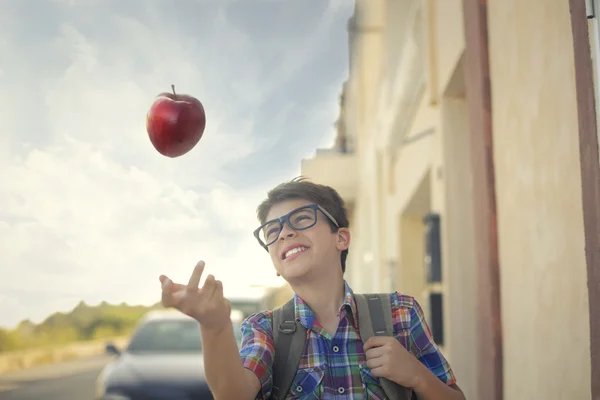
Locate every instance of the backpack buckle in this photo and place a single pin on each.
(287, 327)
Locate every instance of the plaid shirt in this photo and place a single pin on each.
(335, 367)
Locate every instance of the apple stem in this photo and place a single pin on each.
(174, 94)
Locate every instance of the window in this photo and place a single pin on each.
(433, 248)
(436, 320)
(433, 268)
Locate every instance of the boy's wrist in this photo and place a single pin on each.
(420, 378)
(216, 330)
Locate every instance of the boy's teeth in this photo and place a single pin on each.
(294, 251)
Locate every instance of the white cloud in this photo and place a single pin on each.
(88, 209)
(81, 221)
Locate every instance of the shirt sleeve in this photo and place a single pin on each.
(256, 350)
(424, 348)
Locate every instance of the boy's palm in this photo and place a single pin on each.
(206, 304)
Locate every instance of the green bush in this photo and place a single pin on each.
(83, 323)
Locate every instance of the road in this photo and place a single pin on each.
(72, 380)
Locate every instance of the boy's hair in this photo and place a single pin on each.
(301, 188)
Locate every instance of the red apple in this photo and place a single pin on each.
(175, 123)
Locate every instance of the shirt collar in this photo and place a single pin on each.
(307, 318)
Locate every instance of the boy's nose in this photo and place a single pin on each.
(286, 231)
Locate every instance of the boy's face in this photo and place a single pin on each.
(297, 252)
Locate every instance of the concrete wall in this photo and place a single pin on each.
(538, 186)
(365, 75)
(459, 266)
(415, 158)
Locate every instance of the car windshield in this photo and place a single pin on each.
(166, 336)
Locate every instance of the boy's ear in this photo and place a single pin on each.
(343, 239)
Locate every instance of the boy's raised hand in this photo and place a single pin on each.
(205, 304)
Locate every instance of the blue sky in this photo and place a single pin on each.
(88, 209)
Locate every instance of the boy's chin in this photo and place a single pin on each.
(300, 272)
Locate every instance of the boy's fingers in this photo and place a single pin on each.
(374, 353)
(170, 286)
(374, 341)
(209, 287)
(219, 288)
(194, 281)
(166, 285)
(166, 299)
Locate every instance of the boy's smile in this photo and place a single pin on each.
(293, 251)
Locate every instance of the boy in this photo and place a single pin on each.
(304, 227)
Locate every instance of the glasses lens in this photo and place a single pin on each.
(269, 232)
(303, 218)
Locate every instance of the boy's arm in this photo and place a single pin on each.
(430, 387)
(436, 378)
(225, 373)
(257, 351)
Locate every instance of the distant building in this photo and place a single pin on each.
(276, 297)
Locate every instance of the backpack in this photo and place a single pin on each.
(375, 319)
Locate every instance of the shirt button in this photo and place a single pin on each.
(336, 349)
(298, 388)
(341, 390)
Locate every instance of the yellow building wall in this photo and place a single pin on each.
(538, 185)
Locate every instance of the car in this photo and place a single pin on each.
(163, 360)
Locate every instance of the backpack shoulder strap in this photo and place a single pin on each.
(374, 315)
(289, 338)
(375, 319)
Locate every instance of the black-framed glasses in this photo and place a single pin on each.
(299, 219)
